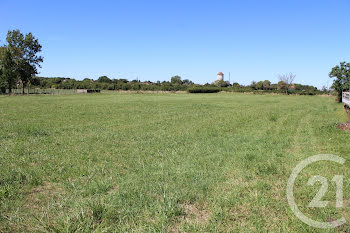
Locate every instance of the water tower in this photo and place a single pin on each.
(220, 76)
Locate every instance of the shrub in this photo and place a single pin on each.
(220, 83)
(204, 90)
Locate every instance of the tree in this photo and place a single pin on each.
(220, 83)
(8, 69)
(24, 50)
(267, 85)
(288, 79)
(324, 88)
(2, 80)
(260, 85)
(342, 81)
(187, 82)
(2, 50)
(236, 85)
(35, 81)
(253, 85)
(273, 87)
(281, 85)
(176, 80)
(2, 83)
(104, 79)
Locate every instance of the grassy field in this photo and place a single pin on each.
(165, 162)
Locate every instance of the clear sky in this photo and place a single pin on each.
(154, 40)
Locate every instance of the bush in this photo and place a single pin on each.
(220, 83)
(204, 90)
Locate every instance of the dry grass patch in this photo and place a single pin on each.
(113, 190)
(344, 126)
(42, 194)
(194, 215)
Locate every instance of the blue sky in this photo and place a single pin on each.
(154, 40)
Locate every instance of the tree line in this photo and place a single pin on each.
(176, 83)
(19, 63)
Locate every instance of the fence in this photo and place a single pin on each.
(44, 91)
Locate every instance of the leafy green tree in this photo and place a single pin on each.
(260, 85)
(31, 60)
(2, 50)
(2, 80)
(220, 83)
(253, 85)
(69, 84)
(8, 69)
(35, 81)
(236, 85)
(104, 79)
(123, 80)
(135, 86)
(273, 86)
(281, 85)
(267, 85)
(187, 82)
(176, 80)
(300, 87)
(2, 84)
(24, 50)
(341, 73)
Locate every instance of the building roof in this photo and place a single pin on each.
(220, 73)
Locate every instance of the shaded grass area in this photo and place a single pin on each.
(163, 162)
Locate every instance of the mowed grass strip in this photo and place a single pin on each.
(164, 162)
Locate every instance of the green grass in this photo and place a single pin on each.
(164, 162)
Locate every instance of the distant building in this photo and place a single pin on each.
(220, 76)
(291, 87)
